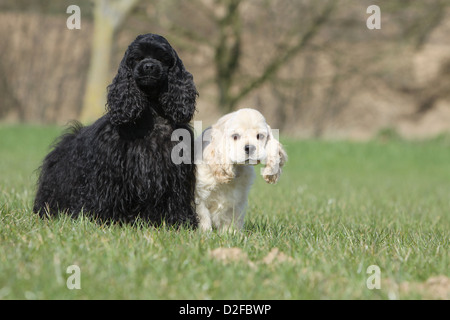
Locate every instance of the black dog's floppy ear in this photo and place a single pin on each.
(125, 102)
(178, 102)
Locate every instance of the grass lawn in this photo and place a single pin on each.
(339, 208)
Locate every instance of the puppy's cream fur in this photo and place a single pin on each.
(225, 170)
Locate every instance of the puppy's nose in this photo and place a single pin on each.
(249, 148)
(148, 66)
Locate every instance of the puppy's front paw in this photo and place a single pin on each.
(205, 225)
(270, 175)
(272, 179)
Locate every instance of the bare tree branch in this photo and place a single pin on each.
(289, 53)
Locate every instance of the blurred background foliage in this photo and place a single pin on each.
(312, 67)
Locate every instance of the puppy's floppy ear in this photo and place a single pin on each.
(125, 102)
(214, 155)
(276, 158)
(178, 102)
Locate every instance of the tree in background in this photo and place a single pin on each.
(108, 17)
(312, 64)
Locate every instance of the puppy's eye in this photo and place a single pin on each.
(260, 136)
(235, 137)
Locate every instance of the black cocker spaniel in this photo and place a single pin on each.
(120, 167)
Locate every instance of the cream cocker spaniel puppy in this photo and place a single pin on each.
(229, 150)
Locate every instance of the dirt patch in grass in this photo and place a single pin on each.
(276, 256)
(434, 288)
(230, 255)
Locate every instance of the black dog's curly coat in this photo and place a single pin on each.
(120, 167)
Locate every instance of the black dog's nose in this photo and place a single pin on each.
(249, 148)
(148, 66)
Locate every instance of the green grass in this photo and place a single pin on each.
(339, 208)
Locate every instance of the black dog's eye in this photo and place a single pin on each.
(235, 137)
(166, 60)
(260, 136)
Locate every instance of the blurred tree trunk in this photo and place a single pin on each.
(108, 17)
